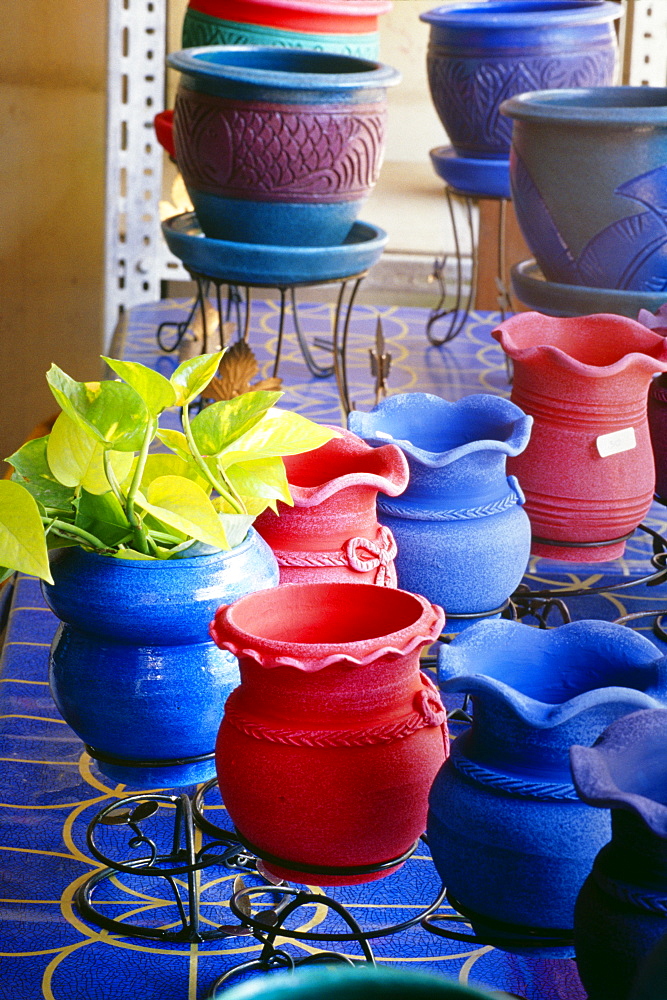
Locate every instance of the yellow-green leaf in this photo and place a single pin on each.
(111, 412)
(184, 505)
(194, 375)
(156, 391)
(218, 425)
(22, 542)
(166, 464)
(265, 478)
(176, 440)
(78, 460)
(282, 432)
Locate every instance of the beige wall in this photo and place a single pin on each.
(52, 107)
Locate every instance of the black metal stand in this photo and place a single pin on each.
(457, 314)
(238, 303)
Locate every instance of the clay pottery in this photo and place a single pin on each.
(132, 668)
(509, 836)
(356, 983)
(332, 730)
(332, 531)
(333, 26)
(588, 472)
(588, 170)
(279, 146)
(479, 54)
(657, 422)
(621, 912)
(463, 537)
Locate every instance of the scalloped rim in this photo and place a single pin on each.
(503, 333)
(364, 424)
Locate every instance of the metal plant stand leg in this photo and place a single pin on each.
(458, 314)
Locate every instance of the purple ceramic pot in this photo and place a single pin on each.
(657, 422)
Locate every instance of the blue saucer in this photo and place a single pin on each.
(555, 299)
(258, 264)
(490, 178)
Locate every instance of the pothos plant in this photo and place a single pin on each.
(97, 481)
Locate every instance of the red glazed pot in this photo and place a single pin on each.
(300, 15)
(332, 531)
(588, 471)
(328, 748)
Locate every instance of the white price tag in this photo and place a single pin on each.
(617, 441)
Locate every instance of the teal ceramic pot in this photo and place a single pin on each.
(348, 983)
(279, 146)
(509, 836)
(202, 29)
(133, 670)
(462, 534)
(588, 170)
(621, 912)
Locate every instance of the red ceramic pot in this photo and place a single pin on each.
(163, 123)
(329, 747)
(588, 471)
(335, 16)
(332, 531)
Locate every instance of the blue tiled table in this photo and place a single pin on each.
(50, 789)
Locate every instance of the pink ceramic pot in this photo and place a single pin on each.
(332, 531)
(328, 748)
(588, 471)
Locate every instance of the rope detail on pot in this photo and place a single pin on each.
(511, 785)
(411, 513)
(360, 554)
(646, 900)
(429, 712)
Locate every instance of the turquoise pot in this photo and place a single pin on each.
(203, 29)
(361, 983)
(133, 669)
(463, 537)
(510, 838)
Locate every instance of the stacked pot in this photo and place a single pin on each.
(333, 26)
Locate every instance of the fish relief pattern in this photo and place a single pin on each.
(278, 152)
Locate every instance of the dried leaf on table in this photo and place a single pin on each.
(237, 367)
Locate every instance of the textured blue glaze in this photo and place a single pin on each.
(480, 54)
(132, 668)
(507, 832)
(463, 538)
(621, 912)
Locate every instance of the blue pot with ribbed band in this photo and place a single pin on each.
(510, 838)
(133, 669)
(462, 534)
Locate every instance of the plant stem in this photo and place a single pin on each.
(225, 492)
(138, 531)
(65, 529)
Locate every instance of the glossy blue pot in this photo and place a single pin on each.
(510, 838)
(463, 537)
(621, 912)
(479, 54)
(133, 670)
(588, 171)
(279, 146)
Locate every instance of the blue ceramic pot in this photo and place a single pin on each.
(279, 146)
(510, 838)
(463, 537)
(621, 912)
(479, 54)
(133, 670)
(588, 171)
